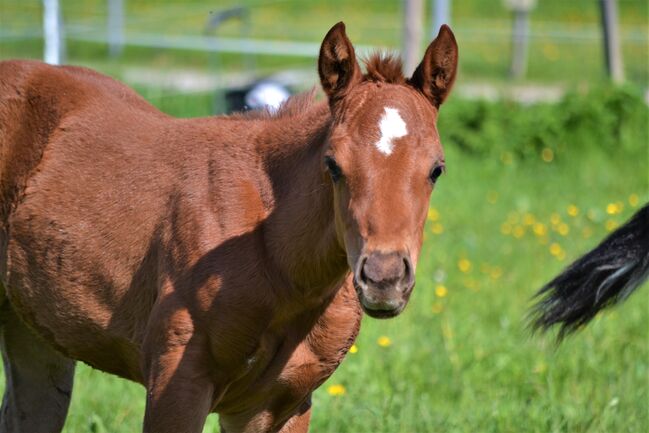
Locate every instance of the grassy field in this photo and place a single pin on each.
(565, 47)
(460, 358)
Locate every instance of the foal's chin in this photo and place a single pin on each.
(380, 310)
(383, 314)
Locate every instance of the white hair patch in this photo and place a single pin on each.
(392, 126)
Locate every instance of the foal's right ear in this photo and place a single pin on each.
(337, 64)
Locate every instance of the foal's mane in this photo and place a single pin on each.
(379, 67)
(384, 67)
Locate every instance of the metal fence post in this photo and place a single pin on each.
(412, 32)
(612, 52)
(115, 27)
(53, 32)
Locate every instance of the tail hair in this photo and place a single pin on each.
(604, 276)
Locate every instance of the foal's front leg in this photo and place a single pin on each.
(180, 392)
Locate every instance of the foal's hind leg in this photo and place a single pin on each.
(38, 381)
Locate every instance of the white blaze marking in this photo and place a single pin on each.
(392, 126)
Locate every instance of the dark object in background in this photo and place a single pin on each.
(260, 94)
(604, 276)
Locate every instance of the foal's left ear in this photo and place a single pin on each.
(337, 65)
(435, 75)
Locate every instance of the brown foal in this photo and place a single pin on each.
(222, 262)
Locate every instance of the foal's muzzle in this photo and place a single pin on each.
(384, 282)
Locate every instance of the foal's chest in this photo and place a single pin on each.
(283, 372)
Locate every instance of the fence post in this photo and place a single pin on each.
(520, 35)
(54, 50)
(612, 52)
(412, 32)
(441, 15)
(115, 27)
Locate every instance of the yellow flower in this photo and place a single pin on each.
(555, 249)
(561, 255)
(433, 215)
(634, 200)
(563, 229)
(528, 219)
(353, 349)
(614, 208)
(464, 265)
(540, 229)
(547, 154)
(611, 225)
(496, 273)
(437, 308)
(519, 231)
(505, 228)
(555, 219)
(573, 211)
(437, 228)
(492, 197)
(472, 284)
(441, 291)
(384, 341)
(336, 390)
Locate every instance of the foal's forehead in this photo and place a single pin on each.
(385, 114)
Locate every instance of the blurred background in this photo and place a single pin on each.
(546, 136)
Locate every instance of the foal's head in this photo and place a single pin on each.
(384, 157)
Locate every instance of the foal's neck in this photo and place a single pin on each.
(300, 233)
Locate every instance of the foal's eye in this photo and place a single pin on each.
(333, 168)
(436, 172)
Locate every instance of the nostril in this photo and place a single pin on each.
(362, 277)
(407, 270)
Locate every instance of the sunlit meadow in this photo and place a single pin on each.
(460, 358)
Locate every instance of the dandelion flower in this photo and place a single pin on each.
(437, 308)
(563, 229)
(519, 231)
(555, 249)
(353, 349)
(540, 229)
(528, 219)
(613, 208)
(384, 341)
(336, 390)
(496, 273)
(505, 229)
(634, 200)
(547, 154)
(611, 225)
(464, 265)
(433, 214)
(573, 211)
(441, 291)
(437, 228)
(555, 219)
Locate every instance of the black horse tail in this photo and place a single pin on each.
(604, 276)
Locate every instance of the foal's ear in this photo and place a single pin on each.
(435, 75)
(337, 64)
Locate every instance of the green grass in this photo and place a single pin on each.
(465, 362)
(482, 29)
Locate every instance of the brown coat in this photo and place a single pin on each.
(204, 258)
